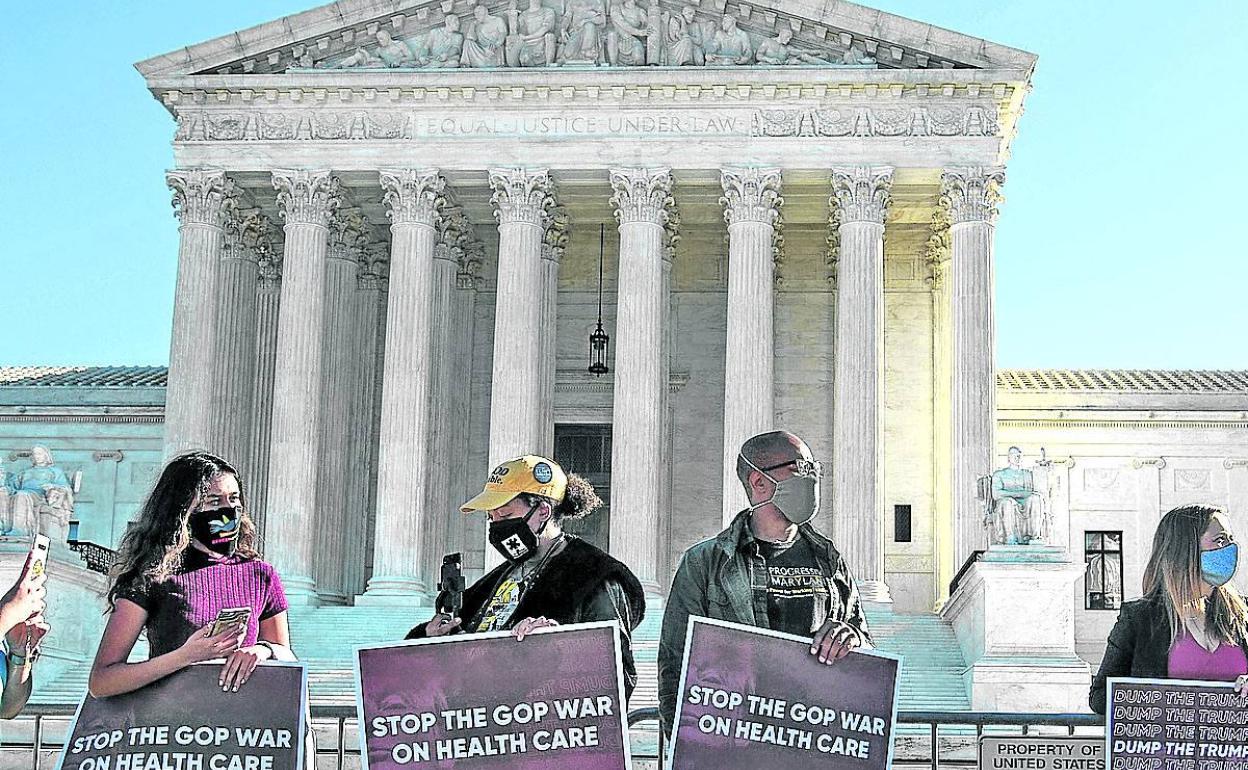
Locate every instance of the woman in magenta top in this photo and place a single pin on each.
(188, 555)
(1191, 623)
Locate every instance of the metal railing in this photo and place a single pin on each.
(339, 716)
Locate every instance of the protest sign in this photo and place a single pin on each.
(1175, 724)
(186, 722)
(1041, 752)
(750, 698)
(552, 701)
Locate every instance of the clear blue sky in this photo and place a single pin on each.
(1120, 244)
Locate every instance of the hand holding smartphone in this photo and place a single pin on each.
(39, 555)
(230, 616)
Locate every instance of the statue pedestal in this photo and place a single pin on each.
(1014, 619)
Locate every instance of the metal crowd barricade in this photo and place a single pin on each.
(340, 715)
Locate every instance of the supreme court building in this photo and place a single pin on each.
(390, 218)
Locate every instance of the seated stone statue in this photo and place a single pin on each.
(1019, 515)
(41, 498)
(533, 44)
(581, 32)
(730, 44)
(626, 35)
(444, 45)
(389, 53)
(685, 39)
(483, 45)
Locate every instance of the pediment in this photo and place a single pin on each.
(391, 34)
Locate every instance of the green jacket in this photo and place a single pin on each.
(713, 580)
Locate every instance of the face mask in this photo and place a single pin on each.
(513, 538)
(797, 497)
(1217, 567)
(216, 530)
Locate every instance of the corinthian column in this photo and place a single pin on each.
(412, 199)
(554, 241)
(751, 210)
(234, 385)
(521, 199)
(306, 200)
(347, 238)
(201, 200)
(860, 197)
(268, 302)
(642, 201)
(370, 299)
(972, 194)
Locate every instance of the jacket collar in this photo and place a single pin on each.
(738, 534)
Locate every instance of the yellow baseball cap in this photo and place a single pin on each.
(532, 474)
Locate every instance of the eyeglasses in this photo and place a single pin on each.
(801, 467)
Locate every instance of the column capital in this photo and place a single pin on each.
(558, 230)
(348, 235)
(939, 247)
(521, 195)
(671, 233)
(972, 193)
(751, 195)
(374, 265)
(247, 237)
(306, 197)
(862, 193)
(642, 195)
(413, 196)
(201, 196)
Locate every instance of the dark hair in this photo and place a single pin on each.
(579, 500)
(1173, 573)
(157, 539)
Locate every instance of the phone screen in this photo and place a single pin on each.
(228, 617)
(39, 555)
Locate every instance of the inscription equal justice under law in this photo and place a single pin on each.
(1165, 726)
(616, 125)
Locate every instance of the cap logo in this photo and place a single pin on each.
(542, 473)
(496, 475)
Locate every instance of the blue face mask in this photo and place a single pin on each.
(1217, 567)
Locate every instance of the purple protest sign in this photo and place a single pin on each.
(751, 698)
(1175, 724)
(186, 722)
(552, 701)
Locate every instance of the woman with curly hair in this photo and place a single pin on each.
(549, 577)
(1191, 622)
(190, 553)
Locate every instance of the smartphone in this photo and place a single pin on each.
(229, 616)
(39, 555)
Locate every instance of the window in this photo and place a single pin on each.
(901, 523)
(586, 451)
(1102, 584)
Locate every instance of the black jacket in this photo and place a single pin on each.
(1139, 646)
(580, 584)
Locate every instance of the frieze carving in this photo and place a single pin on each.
(306, 197)
(751, 195)
(972, 193)
(973, 120)
(1192, 480)
(202, 196)
(521, 195)
(862, 193)
(197, 125)
(642, 195)
(413, 196)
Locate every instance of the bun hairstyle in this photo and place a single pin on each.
(579, 500)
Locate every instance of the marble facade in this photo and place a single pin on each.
(771, 176)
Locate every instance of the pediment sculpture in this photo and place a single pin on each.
(39, 498)
(588, 33)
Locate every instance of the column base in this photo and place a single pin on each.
(874, 591)
(394, 591)
(301, 591)
(332, 598)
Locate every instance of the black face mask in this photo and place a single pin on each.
(513, 538)
(216, 530)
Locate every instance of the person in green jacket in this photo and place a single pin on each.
(801, 585)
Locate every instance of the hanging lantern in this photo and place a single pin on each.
(598, 339)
